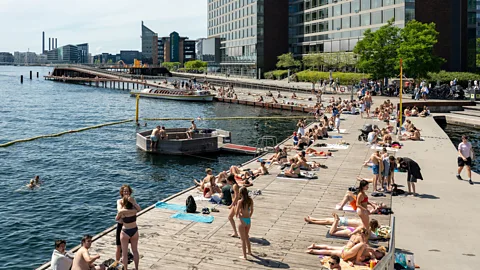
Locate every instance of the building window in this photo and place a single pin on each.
(388, 2)
(355, 21)
(376, 17)
(337, 24)
(345, 22)
(345, 8)
(376, 3)
(337, 10)
(388, 14)
(355, 6)
(365, 19)
(400, 14)
(365, 5)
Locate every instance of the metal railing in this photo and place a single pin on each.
(387, 262)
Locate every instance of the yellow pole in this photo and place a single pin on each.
(401, 92)
(136, 108)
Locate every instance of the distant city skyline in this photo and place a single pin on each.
(107, 26)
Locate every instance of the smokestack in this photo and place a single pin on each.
(49, 44)
(56, 43)
(43, 42)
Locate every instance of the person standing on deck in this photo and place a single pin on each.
(413, 172)
(154, 138)
(368, 103)
(465, 155)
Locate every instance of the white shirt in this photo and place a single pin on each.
(465, 149)
(60, 261)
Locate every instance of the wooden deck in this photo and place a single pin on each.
(279, 234)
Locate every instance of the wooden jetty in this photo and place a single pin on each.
(279, 235)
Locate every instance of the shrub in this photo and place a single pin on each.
(445, 77)
(343, 77)
(276, 74)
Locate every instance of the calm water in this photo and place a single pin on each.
(455, 133)
(83, 171)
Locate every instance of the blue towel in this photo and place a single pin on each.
(169, 206)
(336, 137)
(193, 217)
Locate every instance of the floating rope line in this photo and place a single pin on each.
(63, 133)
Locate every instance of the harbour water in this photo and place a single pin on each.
(83, 171)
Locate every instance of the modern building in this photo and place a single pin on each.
(6, 57)
(129, 56)
(324, 26)
(25, 58)
(208, 50)
(82, 53)
(175, 48)
(149, 46)
(64, 54)
(253, 34)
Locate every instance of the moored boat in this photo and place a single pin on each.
(177, 142)
(175, 94)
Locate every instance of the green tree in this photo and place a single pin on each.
(313, 61)
(171, 65)
(287, 61)
(478, 53)
(195, 64)
(416, 49)
(377, 51)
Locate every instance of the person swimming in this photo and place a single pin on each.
(31, 185)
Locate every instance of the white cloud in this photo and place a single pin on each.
(105, 24)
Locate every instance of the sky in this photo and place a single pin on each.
(108, 26)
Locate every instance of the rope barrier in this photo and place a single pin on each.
(148, 119)
(63, 133)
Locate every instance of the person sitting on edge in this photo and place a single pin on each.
(294, 96)
(415, 136)
(192, 130)
(154, 138)
(262, 170)
(294, 170)
(83, 260)
(60, 258)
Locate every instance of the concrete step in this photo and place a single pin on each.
(463, 120)
(473, 113)
(475, 108)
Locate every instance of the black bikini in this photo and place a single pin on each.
(130, 232)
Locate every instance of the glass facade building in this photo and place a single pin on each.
(82, 53)
(317, 26)
(149, 46)
(248, 30)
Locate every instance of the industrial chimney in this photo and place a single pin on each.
(56, 43)
(49, 44)
(43, 42)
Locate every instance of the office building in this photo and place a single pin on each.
(82, 53)
(149, 46)
(175, 48)
(253, 34)
(64, 54)
(208, 50)
(129, 56)
(6, 57)
(324, 26)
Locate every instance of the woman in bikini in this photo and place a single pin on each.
(342, 221)
(362, 204)
(352, 251)
(294, 170)
(318, 153)
(339, 229)
(234, 190)
(244, 211)
(127, 214)
(351, 199)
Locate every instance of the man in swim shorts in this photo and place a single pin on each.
(192, 130)
(154, 138)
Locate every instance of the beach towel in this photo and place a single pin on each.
(347, 208)
(319, 157)
(377, 147)
(170, 206)
(193, 217)
(336, 146)
(337, 136)
(342, 131)
(303, 177)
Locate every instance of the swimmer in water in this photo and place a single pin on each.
(37, 180)
(31, 185)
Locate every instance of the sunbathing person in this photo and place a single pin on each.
(352, 251)
(318, 153)
(414, 136)
(262, 170)
(280, 157)
(303, 163)
(294, 170)
(208, 185)
(351, 199)
(340, 229)
(342, 221)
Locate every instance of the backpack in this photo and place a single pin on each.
(191, 205)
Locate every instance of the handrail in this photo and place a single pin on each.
(388, 261)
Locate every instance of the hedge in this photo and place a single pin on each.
(276, 74)
(445, 77)
(343, 77)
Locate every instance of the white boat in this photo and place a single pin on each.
(175, 94)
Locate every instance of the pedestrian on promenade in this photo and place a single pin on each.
(244, 211)
(465, 154)
(413, 172)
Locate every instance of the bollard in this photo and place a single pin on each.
(21, 78)
(137, 107)
(37, 74)
(30, 74)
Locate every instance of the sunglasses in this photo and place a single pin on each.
(332, 263)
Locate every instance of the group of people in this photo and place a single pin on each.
(34, 182)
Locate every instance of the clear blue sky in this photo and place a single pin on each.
(107, 26)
